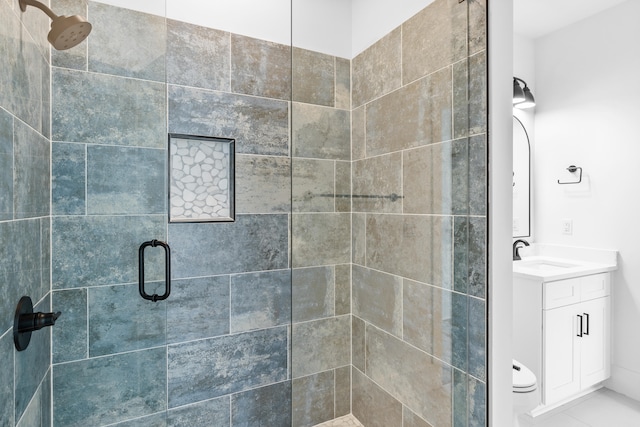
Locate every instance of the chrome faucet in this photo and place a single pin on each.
(516, 248)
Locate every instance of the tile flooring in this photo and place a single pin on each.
(346, 421)
(602, 408)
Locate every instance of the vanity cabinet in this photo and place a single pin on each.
(562, 332)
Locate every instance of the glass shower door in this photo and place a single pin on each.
(389, 212)
(216, 351)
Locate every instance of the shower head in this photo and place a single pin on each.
(66, 31)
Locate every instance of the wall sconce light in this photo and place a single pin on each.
(522, 98)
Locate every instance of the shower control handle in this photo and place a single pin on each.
(26, 321)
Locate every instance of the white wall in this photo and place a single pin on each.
(587, 114)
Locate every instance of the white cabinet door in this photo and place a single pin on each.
(594, 344)
(561, 353)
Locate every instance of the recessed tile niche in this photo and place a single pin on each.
(201, 179)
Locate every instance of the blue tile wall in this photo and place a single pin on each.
(109, 389)
(198, 308)
(103, 109)
(120, 320)
(143, 34)
(260, 300)
(205, 369)
(109, 246)
(31, 172)
(24, 211)
(6, 165)
(68, 180)
(261, 239)
(7, 380)
(69, 338)
(214, 413)
(259, 125)
(123, 180)
(265, 406)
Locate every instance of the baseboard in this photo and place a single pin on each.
(624, 381)
(543, 409)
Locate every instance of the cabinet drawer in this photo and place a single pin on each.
(594, 286)
(561, 293)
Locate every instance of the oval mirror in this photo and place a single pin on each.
(521, 180)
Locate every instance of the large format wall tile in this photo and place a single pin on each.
(478, 175)
(444, 24)
(125, 180)
(205, 369)
(343, 83)
(260, 300)
(260, 68)
(263, 184)
(427, 314)
(126, 42)
(358, 133)
(69, 337)
(198, 308)
(320, 239)
(418, 114)
(313, 293)
(470, 96)
(101, 109)
(120, 320)
(68, 179)
(313, 399)
(214, 413)
(343, 289)
(342, 400)
(320, 345)
(7, 350)
(477, 403)
(313, 77)
(320, 132)
(411, 246)
(436, 179)
(109, 247)
(109, 389)
(377, 298)
(372, 405)
(266, 406)
(21, 268)
(6, 166)
(376, 71)
(377, 184)
(409, 419)
(211, 249)
(477, 343)
(25, 69)
(358, 351)
(259, 125)
(419, 381)
(32, 161)
(313, 184)
(197, 56)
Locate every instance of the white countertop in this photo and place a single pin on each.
(548, 269)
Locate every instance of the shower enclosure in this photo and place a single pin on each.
(351, 279)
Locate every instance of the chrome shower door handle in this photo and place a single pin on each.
(167, 270)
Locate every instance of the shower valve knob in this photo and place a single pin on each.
(26, 321)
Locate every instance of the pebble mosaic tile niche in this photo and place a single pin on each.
(201, 179)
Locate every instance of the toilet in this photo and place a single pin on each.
(526, 395)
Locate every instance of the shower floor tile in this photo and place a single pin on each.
(346, 421)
